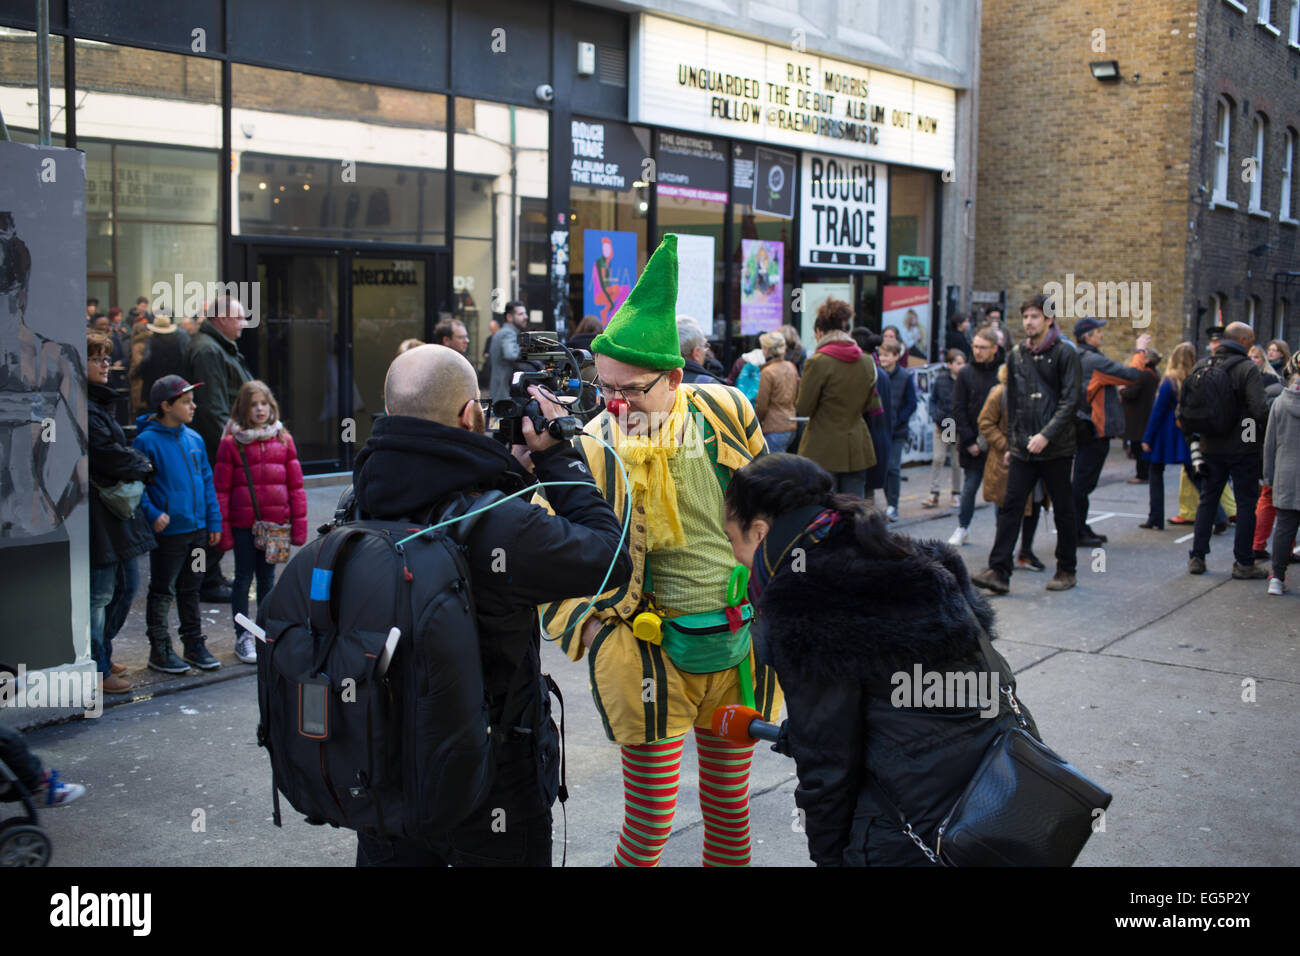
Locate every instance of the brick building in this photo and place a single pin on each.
(1175, 171)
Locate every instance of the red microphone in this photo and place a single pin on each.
(743, 724)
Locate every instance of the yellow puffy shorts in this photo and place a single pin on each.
(642, 697)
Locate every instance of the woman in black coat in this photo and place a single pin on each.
(115, 542)
(839, 652)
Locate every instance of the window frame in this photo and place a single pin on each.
(1255, 205)
(1222, 145)
(1287, 192)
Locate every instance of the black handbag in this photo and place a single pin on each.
(1025, 805)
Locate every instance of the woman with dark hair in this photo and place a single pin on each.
(843, 656)
(879, 415)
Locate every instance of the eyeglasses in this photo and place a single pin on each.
(630, 392)
(484, 403)
(102, 359)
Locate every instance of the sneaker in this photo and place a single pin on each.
(1247, 572)
(54, 792)
(116, 685)
(163, 658)
(958, 537)
(1276, 586)
(891, 513)
(956, 501)
(1150, 526)
(246, 648)
(932, 501)
(197, 654)
(1195, 565)
(1179, 519)
(990, 580)
(1061, 581)
(1029, 561)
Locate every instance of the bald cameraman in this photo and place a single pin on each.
(430, 446)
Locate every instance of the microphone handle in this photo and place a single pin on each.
(762, 730)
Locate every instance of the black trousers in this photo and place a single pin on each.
(1022, 475)
(1089, 459)
(1244, 470)
(172, 574)
(490, 838)
(1284, 531)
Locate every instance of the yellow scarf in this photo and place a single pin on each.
(646, 458)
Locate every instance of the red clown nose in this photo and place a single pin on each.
(617, 407)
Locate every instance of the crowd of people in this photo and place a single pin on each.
(732, 556)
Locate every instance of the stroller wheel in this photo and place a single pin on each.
(24, 845)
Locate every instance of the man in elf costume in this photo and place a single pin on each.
(672, 645)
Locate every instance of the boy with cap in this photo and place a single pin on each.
(672, 645)
(181, 506)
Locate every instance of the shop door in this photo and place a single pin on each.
(331, 322)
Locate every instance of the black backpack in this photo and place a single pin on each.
(1207, 402)
(398, 751)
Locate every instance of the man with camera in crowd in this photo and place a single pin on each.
(430, 446)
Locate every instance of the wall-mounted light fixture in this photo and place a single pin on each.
(1105, 70)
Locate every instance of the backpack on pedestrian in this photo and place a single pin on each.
(1207, 402)
(371, 695)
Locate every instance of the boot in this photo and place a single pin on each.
(196, 653)
(163, 658)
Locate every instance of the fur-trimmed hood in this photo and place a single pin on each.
(849, 615)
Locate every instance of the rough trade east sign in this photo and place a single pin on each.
(843, 212)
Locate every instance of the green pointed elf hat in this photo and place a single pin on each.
(644, 330)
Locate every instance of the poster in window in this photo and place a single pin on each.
(761, 302)
(609, 267)
(695, 279)
(774, 182)
(907, 308)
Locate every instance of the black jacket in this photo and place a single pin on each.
(408, 466)
(112, 459)
(956, 339)
(163, 355)
(941, 391)
(1248, 388)
(1046, 402)
(696, 374)
(836, 651)
(974, 382)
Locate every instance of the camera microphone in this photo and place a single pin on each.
(743, 724)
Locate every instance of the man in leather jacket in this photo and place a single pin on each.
(1043, 393)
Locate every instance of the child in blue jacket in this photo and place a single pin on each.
(181, 506)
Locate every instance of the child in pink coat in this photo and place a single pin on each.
(256, 436)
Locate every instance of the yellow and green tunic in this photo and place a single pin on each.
(641, 696)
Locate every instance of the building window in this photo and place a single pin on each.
(1252, 309)
(1216, 309)
(1257, 164)
(304, 171)
(1223, 132)
(1294, 32)
(1288, 166)
(1266, 17)
(1280, 324)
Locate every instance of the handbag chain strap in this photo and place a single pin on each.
(986, 651)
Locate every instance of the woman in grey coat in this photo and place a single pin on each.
(1282, 472)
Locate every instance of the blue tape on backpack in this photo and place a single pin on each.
(320, 584)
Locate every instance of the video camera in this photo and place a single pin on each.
(555, 368)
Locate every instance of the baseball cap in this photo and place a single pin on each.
(1086, 325)
(168, 389)
(1216, 331)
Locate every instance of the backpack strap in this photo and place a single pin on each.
(320, 616)
(248, 476)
